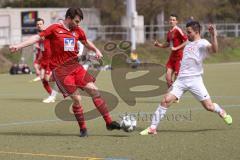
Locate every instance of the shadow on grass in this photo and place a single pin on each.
(115, 135)
(38, 100)
(186, 130)
(48, 134)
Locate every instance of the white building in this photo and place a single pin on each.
(11, 21)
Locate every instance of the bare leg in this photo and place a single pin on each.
(48, 87)
(213, 107)
(36, 68)
(159, 114)
(162, 108)
(169, 76)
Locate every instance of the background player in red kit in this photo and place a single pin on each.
(67, 72)
(176, 40)
(44, 59)
(36, 65)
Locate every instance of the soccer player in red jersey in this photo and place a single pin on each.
(45, 56)
(176, 40)
(66, 71)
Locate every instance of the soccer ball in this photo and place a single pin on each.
(128, 123)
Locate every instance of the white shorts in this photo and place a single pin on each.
(193, 84)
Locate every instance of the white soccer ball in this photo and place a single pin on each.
(128, 123)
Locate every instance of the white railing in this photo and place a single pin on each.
(4, 35)
(117, 32)
(158, 31)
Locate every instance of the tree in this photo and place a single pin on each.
(113, 10)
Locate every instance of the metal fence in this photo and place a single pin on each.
(150, 32)
(117, 32)
(4, 35)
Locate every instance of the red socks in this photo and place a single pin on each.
(100, 105)
(78, 112)
(47, 86)
(102, 108)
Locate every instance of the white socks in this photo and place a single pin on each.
(158, 115)
(161, 111)
(54, 90)
(54, 93)
(218, 109)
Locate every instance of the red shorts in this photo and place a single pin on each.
(68, 82)
(174, 64)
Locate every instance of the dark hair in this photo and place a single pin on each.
(174, 15)
(40, 19)
(194, 25)
(72, 12)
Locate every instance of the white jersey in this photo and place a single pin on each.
(193, 55)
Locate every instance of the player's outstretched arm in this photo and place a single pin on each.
(161, 45)
(93, 48)
(31, 40)
(179, 47)
(213, 33)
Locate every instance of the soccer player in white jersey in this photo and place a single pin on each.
(190, 76)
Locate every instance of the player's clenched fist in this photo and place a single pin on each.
(13, 48)
(212, 29)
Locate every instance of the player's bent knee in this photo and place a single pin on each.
(93, 91)
(168, 100)
(165, 101)
(76, 99)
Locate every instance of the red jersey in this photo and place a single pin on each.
(63, 43)
(176, 37)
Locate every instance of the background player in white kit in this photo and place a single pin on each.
(189, 77)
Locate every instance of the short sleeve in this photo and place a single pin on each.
(206, 43)
(182, 35)
(204, 48)
(82, 35)
(47, 32)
